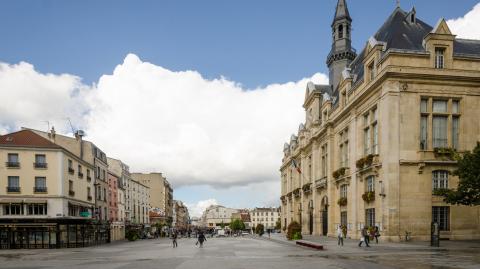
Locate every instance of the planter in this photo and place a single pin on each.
(339, 173)
(342, 201)
(368, 196)
(446, 153)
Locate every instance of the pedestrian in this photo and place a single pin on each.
(340, 235)
(376, 234)
(174, 239)
(268, 233)
(201, 239)
(364, 237)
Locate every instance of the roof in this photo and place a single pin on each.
(26, 138)
(466, 47)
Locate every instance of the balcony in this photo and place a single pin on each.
(40, 165)
(80, 175)
(368, 162)
(13, 189)
(296, 192)
(71, 170)
(307, 188)
(71, 193)
(89, 198)
(321, 183)
(40, 189)
(12, 164)
(89, 178)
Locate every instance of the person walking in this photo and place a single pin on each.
(174, 239)
(340, 235)
(201, 239)
(364, 237)
(376, 234)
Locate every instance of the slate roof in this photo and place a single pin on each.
(341, 12)
(26, 138)
(466, 47)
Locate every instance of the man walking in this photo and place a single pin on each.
(364, 237)
(201, 239)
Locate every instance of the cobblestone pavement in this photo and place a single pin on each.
(237, 253)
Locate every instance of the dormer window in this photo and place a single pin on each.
(412, 18)
(439, 58)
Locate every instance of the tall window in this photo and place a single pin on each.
(12, 160)
(441, 215)
(40, 161)
(343, 149)
(324, 160)
(370, 217)
(444, 115)
(439, 179)
(40, 184)
(70, 188)
(370, 132)
(343, 218)
(439, 58)
(343, 191)
(340, 31)
(371, 183)
(13, 184)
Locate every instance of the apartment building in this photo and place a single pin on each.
(46, 197)
(267, 216)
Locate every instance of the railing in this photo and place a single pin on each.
(13, 189)
(13, 164)
(80, 174)
(321, 183)
(71, 170)
(89, 178)
(71, 193)
(40, 189)
(89, 198)
(40, 165)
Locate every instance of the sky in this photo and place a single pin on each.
(206, 92)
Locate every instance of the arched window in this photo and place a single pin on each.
(371, 183)
(439, 179)
(348, 32)
(340, 31)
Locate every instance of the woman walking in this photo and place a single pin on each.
(376, 234)
(174, 239)
(340, 235)
(364, 237)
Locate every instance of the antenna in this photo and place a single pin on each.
(71, 126)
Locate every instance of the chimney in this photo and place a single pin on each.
(52, 133)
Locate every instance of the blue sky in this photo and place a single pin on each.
(251, 42)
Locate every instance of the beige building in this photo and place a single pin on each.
(140, 197)
(375, 142)
(217, 215)
(181, 218)
(267, 216)
(46, 194)
(161, 194)
(89, 152)
(122, 170)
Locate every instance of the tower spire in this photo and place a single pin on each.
(341, 12)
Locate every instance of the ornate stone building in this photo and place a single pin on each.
(373, 145)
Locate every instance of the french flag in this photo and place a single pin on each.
(294, 164)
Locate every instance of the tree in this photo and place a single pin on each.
(259, 229)
(468, 172)
(237, 225)
(278, 225)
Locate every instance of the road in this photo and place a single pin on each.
(221, 253)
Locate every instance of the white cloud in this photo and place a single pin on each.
(196, 210)
(30, 98)
(197, 131)
(468, 25)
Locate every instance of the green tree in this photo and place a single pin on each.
(237, 225)
(259, 229)
(278, 225)
(468, 172)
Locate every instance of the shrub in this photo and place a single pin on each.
(338, 173)
(369, 160)
(360, 163)
(292, 229)
(132, 235)
(297, 236)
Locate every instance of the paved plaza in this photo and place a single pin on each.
(245, 253)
